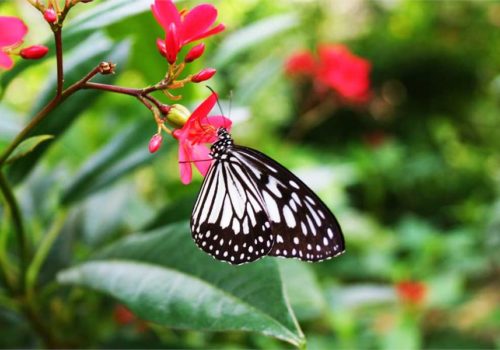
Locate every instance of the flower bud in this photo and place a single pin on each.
(155, 143)
(178, 115)
(50, 15)
(194, 53)
(203, 75)
(34, 52)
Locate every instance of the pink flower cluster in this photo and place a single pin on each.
(336, 68)
(184, 27)
(12, 32)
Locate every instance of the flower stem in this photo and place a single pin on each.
(59, 60)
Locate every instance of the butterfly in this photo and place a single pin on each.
(250, 206)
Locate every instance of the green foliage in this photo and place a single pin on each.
(412, 177)
(164, 278)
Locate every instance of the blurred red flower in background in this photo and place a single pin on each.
(344, 72)
(301, 62)
(184, 27)
(335, 68)
(411, 292)
(198, 130)
(123, 316)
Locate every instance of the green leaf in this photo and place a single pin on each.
(308, 303)
(162, 277)
(253, 34)
(105, 14)
(120, 156)
(81, 60)
(28, 146)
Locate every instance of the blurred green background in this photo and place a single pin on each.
(412, 176)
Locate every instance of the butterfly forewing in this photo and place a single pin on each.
(302, 225)
(229, 219)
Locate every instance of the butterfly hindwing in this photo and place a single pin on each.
(302, 225)
(229, 219)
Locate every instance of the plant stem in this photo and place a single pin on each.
(59, 61)
(18, 226)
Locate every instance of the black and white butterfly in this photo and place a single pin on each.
(250, 206)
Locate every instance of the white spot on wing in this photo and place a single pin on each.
(289, 218)
(272, 207)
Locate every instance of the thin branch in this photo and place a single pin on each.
(59, 61)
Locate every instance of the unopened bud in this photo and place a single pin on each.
(155, 143)
(194, 53)
(203, 75)
(178, 115)
(107, 68)
(50, 15)
(34, 52)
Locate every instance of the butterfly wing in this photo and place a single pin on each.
(229, 219)
(302, 225)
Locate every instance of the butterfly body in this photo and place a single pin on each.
(250, 206)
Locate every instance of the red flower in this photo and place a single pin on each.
(122, 315)
(344, 72)
(301, 62)
(411, 292)
(184, 28)
(198, 130)
(12, 32)
(336, 68)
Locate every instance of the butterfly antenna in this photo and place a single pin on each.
(219, 105)
(230, 103)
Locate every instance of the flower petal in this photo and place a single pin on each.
(172, 43)
(217, 29)
(185, 163)
(5, 61)
(166, 13)
(201, 158)
(12, 30)
(197, 21)
(199, 115)
(219, 121)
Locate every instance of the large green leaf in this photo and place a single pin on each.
(81, 60)
(105, 14)
(164, 278)
(252, 35)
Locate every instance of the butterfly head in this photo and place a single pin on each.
(224, 142)
(222, 134)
